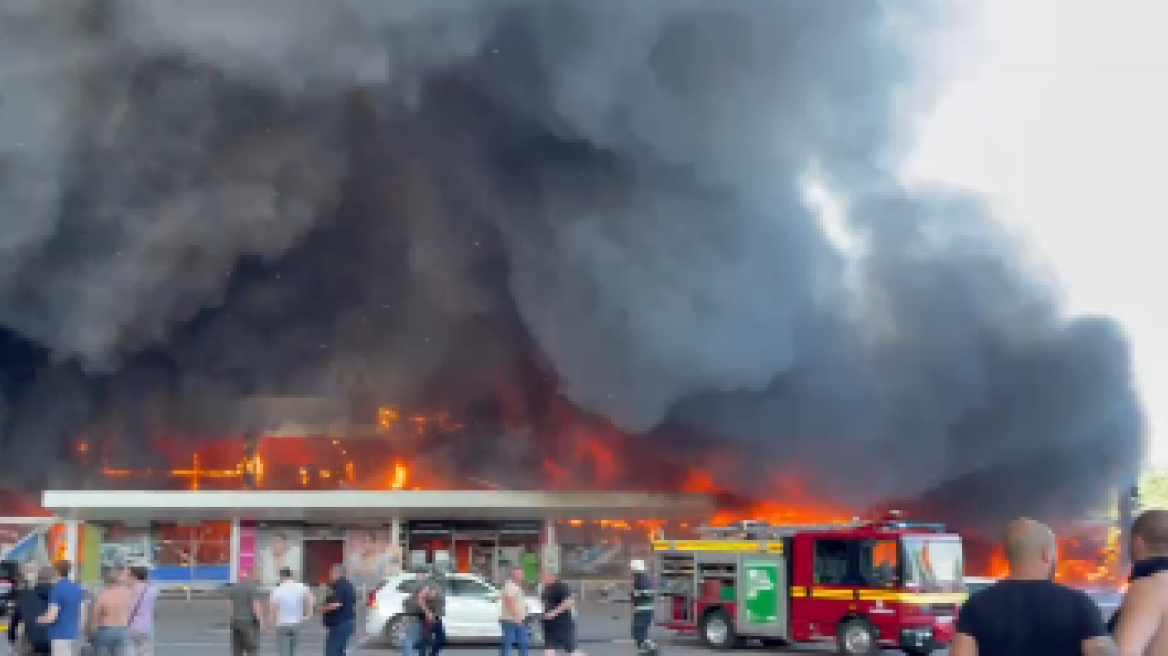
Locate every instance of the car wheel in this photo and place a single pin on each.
(716, 630)
(534, 626)
(395, 630)
(857, 637)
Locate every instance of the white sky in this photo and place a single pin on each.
(1060, 117)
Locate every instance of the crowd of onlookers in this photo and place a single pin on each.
(52, 615)
(1029, 614)
(1024, 614)
(284, 610)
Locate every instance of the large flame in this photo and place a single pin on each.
(580, 453)
(1086, 559)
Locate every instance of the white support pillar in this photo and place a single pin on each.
(71, 551)
(396, 549)
(234, 577)
(550, 558)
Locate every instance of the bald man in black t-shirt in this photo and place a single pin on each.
(1028, 614)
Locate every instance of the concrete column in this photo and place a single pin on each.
(395, 532)
(550, 558)
(234, 550)
(71, 536)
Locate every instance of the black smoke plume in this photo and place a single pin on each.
(412, 201)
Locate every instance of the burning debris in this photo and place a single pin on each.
(1089, 556)
(587, 230)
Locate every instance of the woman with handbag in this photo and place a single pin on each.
(142, 613)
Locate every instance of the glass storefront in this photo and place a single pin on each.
(602, 549)
(202, 553)
(371, 555)
(174, 553)
(484, 548)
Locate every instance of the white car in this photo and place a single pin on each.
(472, 609)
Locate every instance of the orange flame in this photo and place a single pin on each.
(401, 475)
(1080, 564)
(795, 507)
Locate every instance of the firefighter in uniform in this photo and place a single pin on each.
(642, 598)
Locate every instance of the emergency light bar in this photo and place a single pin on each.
(936, 528)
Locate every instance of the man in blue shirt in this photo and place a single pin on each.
(63, 617)
(340, 612)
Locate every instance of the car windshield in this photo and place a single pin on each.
(933, 564)
(467, 587)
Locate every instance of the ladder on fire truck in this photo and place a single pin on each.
(759, 530)
(756, 530)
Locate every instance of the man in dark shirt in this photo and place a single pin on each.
(340, 612)
(559, 623)
(247, 614)
(32, 600)
(1028, 614)
(434, 601)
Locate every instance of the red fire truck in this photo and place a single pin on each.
(864, 585)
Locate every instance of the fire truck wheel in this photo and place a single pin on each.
(717, 631)
(857, 636)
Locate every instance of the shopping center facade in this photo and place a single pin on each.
(202, 539)
(301, 490)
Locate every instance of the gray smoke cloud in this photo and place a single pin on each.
(416, 200)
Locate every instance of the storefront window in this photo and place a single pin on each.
(121, 545)
(200, 552)
(279, 547)
(600, 549)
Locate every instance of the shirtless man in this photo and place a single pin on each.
(1140, 623)
(110, 617)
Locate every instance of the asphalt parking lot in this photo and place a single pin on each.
(199, 627)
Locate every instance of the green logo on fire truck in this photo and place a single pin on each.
(762, 592)
(758, 581)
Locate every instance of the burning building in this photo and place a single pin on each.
(572, 246)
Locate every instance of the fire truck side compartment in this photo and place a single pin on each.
(763, 596)
(695, 583)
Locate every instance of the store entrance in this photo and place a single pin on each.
(319, 556)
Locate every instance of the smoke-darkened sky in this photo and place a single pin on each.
(201, 202)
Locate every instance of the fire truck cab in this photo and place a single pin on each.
(865, 585)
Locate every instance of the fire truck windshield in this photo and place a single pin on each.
(933, 564)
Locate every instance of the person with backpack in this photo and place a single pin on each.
(32, 600)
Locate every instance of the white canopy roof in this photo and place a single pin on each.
(341, 506)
